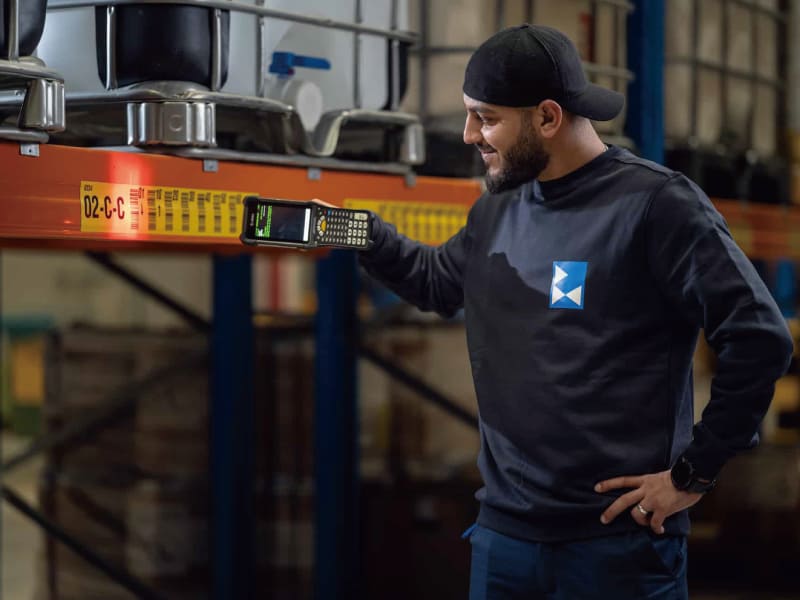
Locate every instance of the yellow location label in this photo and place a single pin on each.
(426, 222)
(143, 210)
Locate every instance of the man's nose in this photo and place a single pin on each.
(472, 131)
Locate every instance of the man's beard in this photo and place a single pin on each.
(523, 162)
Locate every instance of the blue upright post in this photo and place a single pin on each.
(336, 430)
(232, 430)
(645, 117)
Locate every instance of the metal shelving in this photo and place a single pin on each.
(102, 201)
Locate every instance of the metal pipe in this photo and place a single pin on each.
(445, 50)
(645, 117)
(13, 30)
(424, 55)
(751, 117)
(357, 58)
(232, 433)
(23, 135)
(261, 66)
(695, 75)
(233, 5)
(216, 50)
(608, 71)
(195, 320)
(336, 430)
(394, 72)
(620, 35)
(737, 73)
(792, 100)
(111, 48)
(726, 19)
(758, 7)
(419, 386)
(295, 160)
(593, 16)
(120, 576)
(590, 67)
(499, 14)
(120, 408)
(394, 60)
(26, 70)
(623, 4)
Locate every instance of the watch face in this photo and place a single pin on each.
(682, 474)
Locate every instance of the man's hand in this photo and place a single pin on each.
(652, 499)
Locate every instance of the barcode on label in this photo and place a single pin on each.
(185, 195)
(217, 203)
(169, 211)
(202, 198)
(135, 202)
(151, 210)
(234, 200)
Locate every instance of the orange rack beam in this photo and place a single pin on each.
(763, 231)
(88, 199)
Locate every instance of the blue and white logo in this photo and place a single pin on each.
(569, 281)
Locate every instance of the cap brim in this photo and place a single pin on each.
(596, 103)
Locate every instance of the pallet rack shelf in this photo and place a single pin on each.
(105, 201)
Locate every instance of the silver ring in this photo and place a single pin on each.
(642, 510)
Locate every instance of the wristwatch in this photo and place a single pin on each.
(685, 478)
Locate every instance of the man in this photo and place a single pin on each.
(586, 273)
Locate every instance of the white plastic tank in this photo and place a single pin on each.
(733, 104)
(68, 45)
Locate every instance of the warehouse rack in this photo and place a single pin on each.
(43, 205)
(103, 201)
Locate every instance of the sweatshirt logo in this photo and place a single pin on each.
(569, 280)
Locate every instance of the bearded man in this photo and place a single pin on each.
(585, 274)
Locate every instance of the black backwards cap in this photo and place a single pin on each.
(523, 65)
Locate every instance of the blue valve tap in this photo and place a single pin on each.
(283, 63)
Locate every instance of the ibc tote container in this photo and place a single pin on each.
(357, 76)
(722, 82)
(724, 114)
(263, 76)
(71, 43)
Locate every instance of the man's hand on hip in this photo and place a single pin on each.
(652, 499)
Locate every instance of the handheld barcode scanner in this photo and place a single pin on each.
(272, 222)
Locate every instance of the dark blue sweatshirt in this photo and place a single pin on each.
(583, 300)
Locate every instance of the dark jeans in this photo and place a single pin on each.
(627, 566)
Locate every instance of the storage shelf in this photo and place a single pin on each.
(88, 199)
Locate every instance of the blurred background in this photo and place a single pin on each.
(185, 419)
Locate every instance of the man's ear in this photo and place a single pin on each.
(549, 118)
